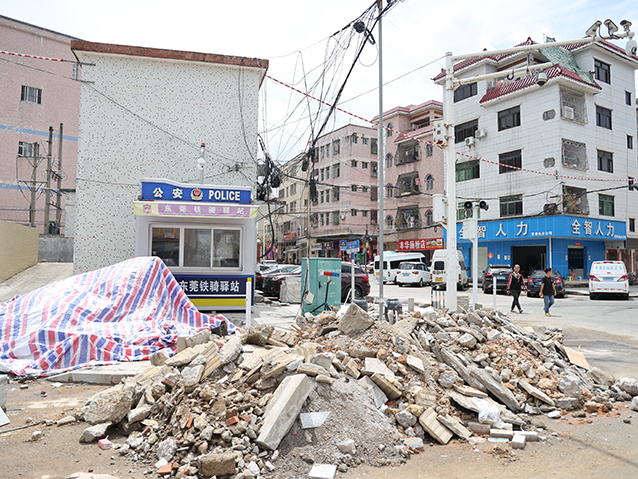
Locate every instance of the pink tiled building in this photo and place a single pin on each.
(36, 94)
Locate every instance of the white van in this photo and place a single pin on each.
(439, 270)
(608, 278)
(391, 262)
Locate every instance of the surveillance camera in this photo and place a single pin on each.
(630, 48)
(593, 29)
(541, 79)
(626, 24)
(611, 26)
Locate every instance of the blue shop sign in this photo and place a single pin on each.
(153, 189)
(549, 226)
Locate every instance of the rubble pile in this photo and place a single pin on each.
(341, 389)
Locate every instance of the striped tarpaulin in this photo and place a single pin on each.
(124, 312)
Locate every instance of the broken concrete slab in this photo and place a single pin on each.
(479, 428)
(469, 391)
(231, 350)
(434, 428)
(495, 387)
(415, 363)
(310, 420)
(386, 386)
(354, 319)
(93, 433)
(4, 420)
(507, 434)
(454, 425)
(217, 464)
(352, 369)
(518, 441)
(160, 357)
(373, 366)
(322, 471)
(283, 409)
(138, 414)
(311, 370)
(535, 392)
(111, 405)
(188, 341)
(191, 375)
(375, 391)
(455, 363)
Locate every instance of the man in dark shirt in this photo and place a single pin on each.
(548, 291)
(515, 284)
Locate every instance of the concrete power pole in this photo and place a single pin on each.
(47, 191)
(36, 154)
(58, 213)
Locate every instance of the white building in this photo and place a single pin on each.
(144, 113)
(552, 161)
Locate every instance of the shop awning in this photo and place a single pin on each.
(183, 209)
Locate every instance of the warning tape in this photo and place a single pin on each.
(33, 56)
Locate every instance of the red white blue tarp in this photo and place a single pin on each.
(125, 312)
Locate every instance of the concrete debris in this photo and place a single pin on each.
(364, 391)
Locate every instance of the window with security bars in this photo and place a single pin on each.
(407, 218)
(31, 95)
(572, 105)
(407, 152)
(511, 205)
(408, 184)
(510, 161)
(468, 170)
(575, 200)
(605, 161)
(574, 154)
(605, 205)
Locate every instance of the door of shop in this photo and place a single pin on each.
(576, 262)
(529, 258)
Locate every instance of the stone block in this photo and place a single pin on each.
(138, 414)
(386, 386)
(629, 385)
(160, 357)
(322, 471)
(111, 405)
(494, 335)
(93, 433)
(535, 392)
(467, 341)
(311, 370)
(518, 441)
(192, 375)
(373, 366)
(283, 409)
(502, 433)
(530, 436)
(479, 428)
(231, 350)
(352, 369)
(354, 319)
(415, 363)
(414, 443)
(188, 341)
(217, 464)
(433, 427)
(183, 357)
(454, 425)
(375, 391)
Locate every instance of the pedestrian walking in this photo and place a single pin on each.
(548, 290)
(516, 284)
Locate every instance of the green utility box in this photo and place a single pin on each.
(320, 284)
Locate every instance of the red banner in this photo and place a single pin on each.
(420, 244)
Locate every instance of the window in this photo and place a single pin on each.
(465, 130)
(602, 71)
(335, 171)
(26, 149)
(605, 161)
(364, 165)
(575, 200)
(200, 247)
(281, 193)
(286, 192)
(335, 193)
(407, 218)
(327, 172)
(364, 189)
(429, 219)
(511, 159)
(374, 216)
(408, 184)
(327, 196)
(630, 142)
(353, 163)
(293, 188)
(572, 105)
(388, 160)
(364, 140)
(465, 91)
(509, 118)
(389, 190)
(305, 202)
(374, 193)
(388, 221)
(336, 146)
(354, 138)
(353, 212)
(628, 98)
(375, 169)
(389, 130)
(321, 219)
(293, 206)
(321, 197)
(429, 150)
(603, 117)
(468, 170)
(374, 147)
(605, 205)
(574, 154)
(511, 205)
(335, 218)
(407, 152)
(632, 225)
(31, 95)
(322, 174)
(429, 183)
(323, 153)
(354, 188)
(364, 213)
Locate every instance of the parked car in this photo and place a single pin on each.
(536, 278)
(607, 278)
(272, 283)
(416, 274)
(501, 272)
(279, 268)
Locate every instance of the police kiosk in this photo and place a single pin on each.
(206, 236)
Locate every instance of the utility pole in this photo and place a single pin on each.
(381, 153)
(58, 213)
(36, 154)
(47, 191)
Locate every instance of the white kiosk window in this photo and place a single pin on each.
(197, 247)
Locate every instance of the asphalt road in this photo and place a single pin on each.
(605, 331)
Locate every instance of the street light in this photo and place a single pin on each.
(451, 84)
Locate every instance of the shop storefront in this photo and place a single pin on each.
(565, 243)
(423, 245)
(205, 234)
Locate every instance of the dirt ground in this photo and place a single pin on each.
(591, 447)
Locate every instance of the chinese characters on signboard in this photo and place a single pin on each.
(420, 244)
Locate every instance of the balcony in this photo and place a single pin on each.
(407, 152)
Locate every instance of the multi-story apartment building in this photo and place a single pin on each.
(345, 208)
(554, 162)
(413, 172)
(35, 94)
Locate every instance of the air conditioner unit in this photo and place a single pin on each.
(568, 112)
(469, 141)
(481, 133)
(342, 216)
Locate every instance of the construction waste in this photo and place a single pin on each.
(341, 389)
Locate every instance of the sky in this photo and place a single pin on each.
(297, 36)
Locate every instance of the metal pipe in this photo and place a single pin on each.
(381, 159)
